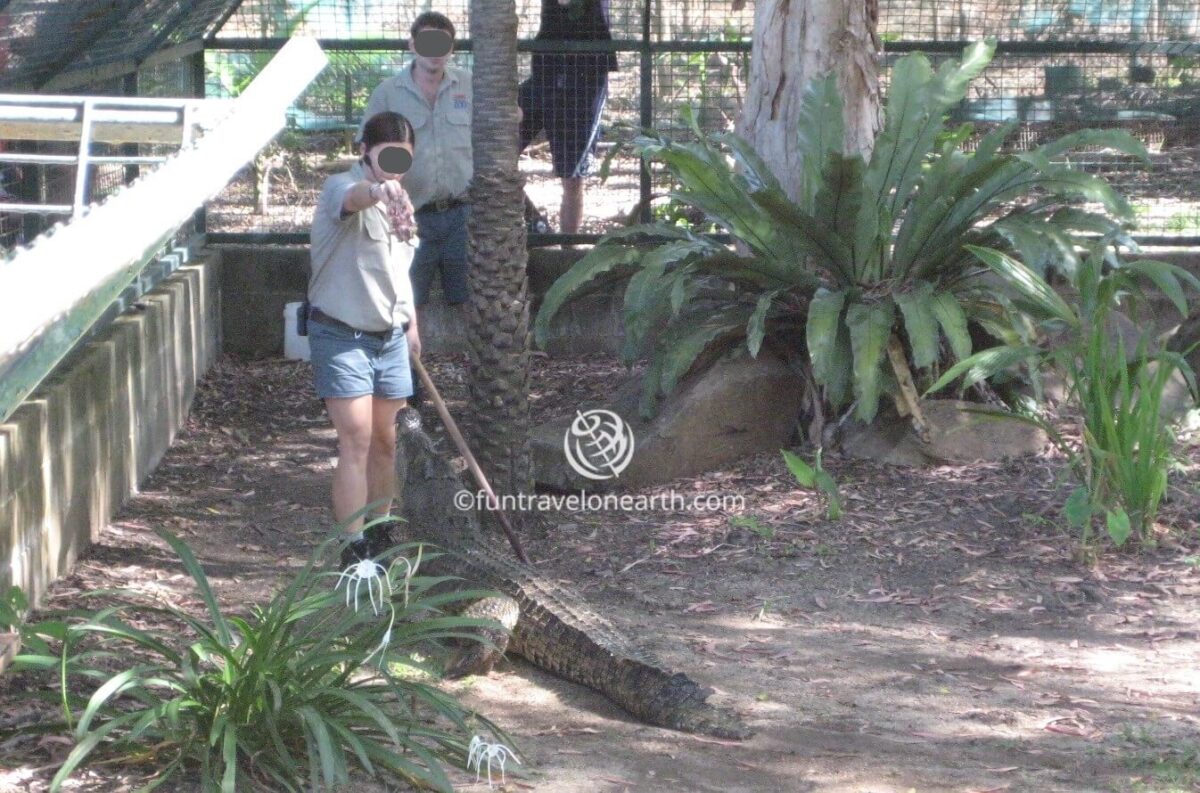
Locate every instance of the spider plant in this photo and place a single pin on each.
(290, 697)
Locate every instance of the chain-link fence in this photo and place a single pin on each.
(1061, 65)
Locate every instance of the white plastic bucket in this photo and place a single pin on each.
(295, 347)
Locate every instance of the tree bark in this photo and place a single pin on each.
(498, 319)
(796, 41)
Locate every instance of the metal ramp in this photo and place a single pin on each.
(86, 120)
(54, 290)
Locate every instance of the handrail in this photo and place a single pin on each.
(116, 119)
(52, 291)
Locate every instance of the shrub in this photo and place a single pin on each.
(869, 264)
(287, 698)
(1122, 463)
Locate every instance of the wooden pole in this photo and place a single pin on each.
(465, 451)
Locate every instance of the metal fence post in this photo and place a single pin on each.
(647, 110)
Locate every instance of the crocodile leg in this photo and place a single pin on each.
(478, 657)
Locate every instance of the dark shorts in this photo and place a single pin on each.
(441, 248)
(349, 364)
(565, 102)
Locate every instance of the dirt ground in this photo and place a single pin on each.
(939, 637)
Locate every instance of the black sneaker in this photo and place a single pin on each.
(535, 219)
(538, 225)
(355, 552)
(379, 538)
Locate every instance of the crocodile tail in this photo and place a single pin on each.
(680, 703)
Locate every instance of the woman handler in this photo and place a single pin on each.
(361, 326)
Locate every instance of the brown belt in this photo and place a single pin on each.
(443, 205)
(318, 315)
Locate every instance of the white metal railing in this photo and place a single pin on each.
(52, 291)
(89, 119)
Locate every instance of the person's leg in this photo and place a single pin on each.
(352, 420)
(393, 385)
(577, 103)
(343, 377)
(381, 459)
(455, 285)
(426, 258)
(427, 261)
(571, 209)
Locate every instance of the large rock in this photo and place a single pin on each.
(737, 407)
(960, 432)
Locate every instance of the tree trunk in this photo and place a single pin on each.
(498, 319)
(797, 41)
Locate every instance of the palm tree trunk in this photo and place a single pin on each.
(498, 319)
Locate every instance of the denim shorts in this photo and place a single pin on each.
(349, 364)
(565, 101)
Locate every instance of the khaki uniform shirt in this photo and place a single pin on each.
(442, 164)
(359, 270)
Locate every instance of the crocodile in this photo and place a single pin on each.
(546, 623)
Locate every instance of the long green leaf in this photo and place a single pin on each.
(1116, 139)
(600, 260)
(821, 132)
(1031, 286)
(905, 113)
(920, 324)
(870, 327)
(86, 745)
(197, 574)
(710, 185)
(229, 746)
(758, 174)
(806, 235)
(117, 684)
(681, 348)
(756, 328)
(1041, 244)
(1164, 276)
(950, 316)
(804, 473)
(332, 770)
(983, 365)
(840, 198)
(947, 88)
(647, 300)
(824, 316)
(917, 99)
(838, 387)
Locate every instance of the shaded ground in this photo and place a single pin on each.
(938, 638)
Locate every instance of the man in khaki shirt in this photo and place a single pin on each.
(437, 99)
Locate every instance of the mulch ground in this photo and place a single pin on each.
(945, 634)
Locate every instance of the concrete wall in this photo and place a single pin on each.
(78, 447)
(257, 281)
